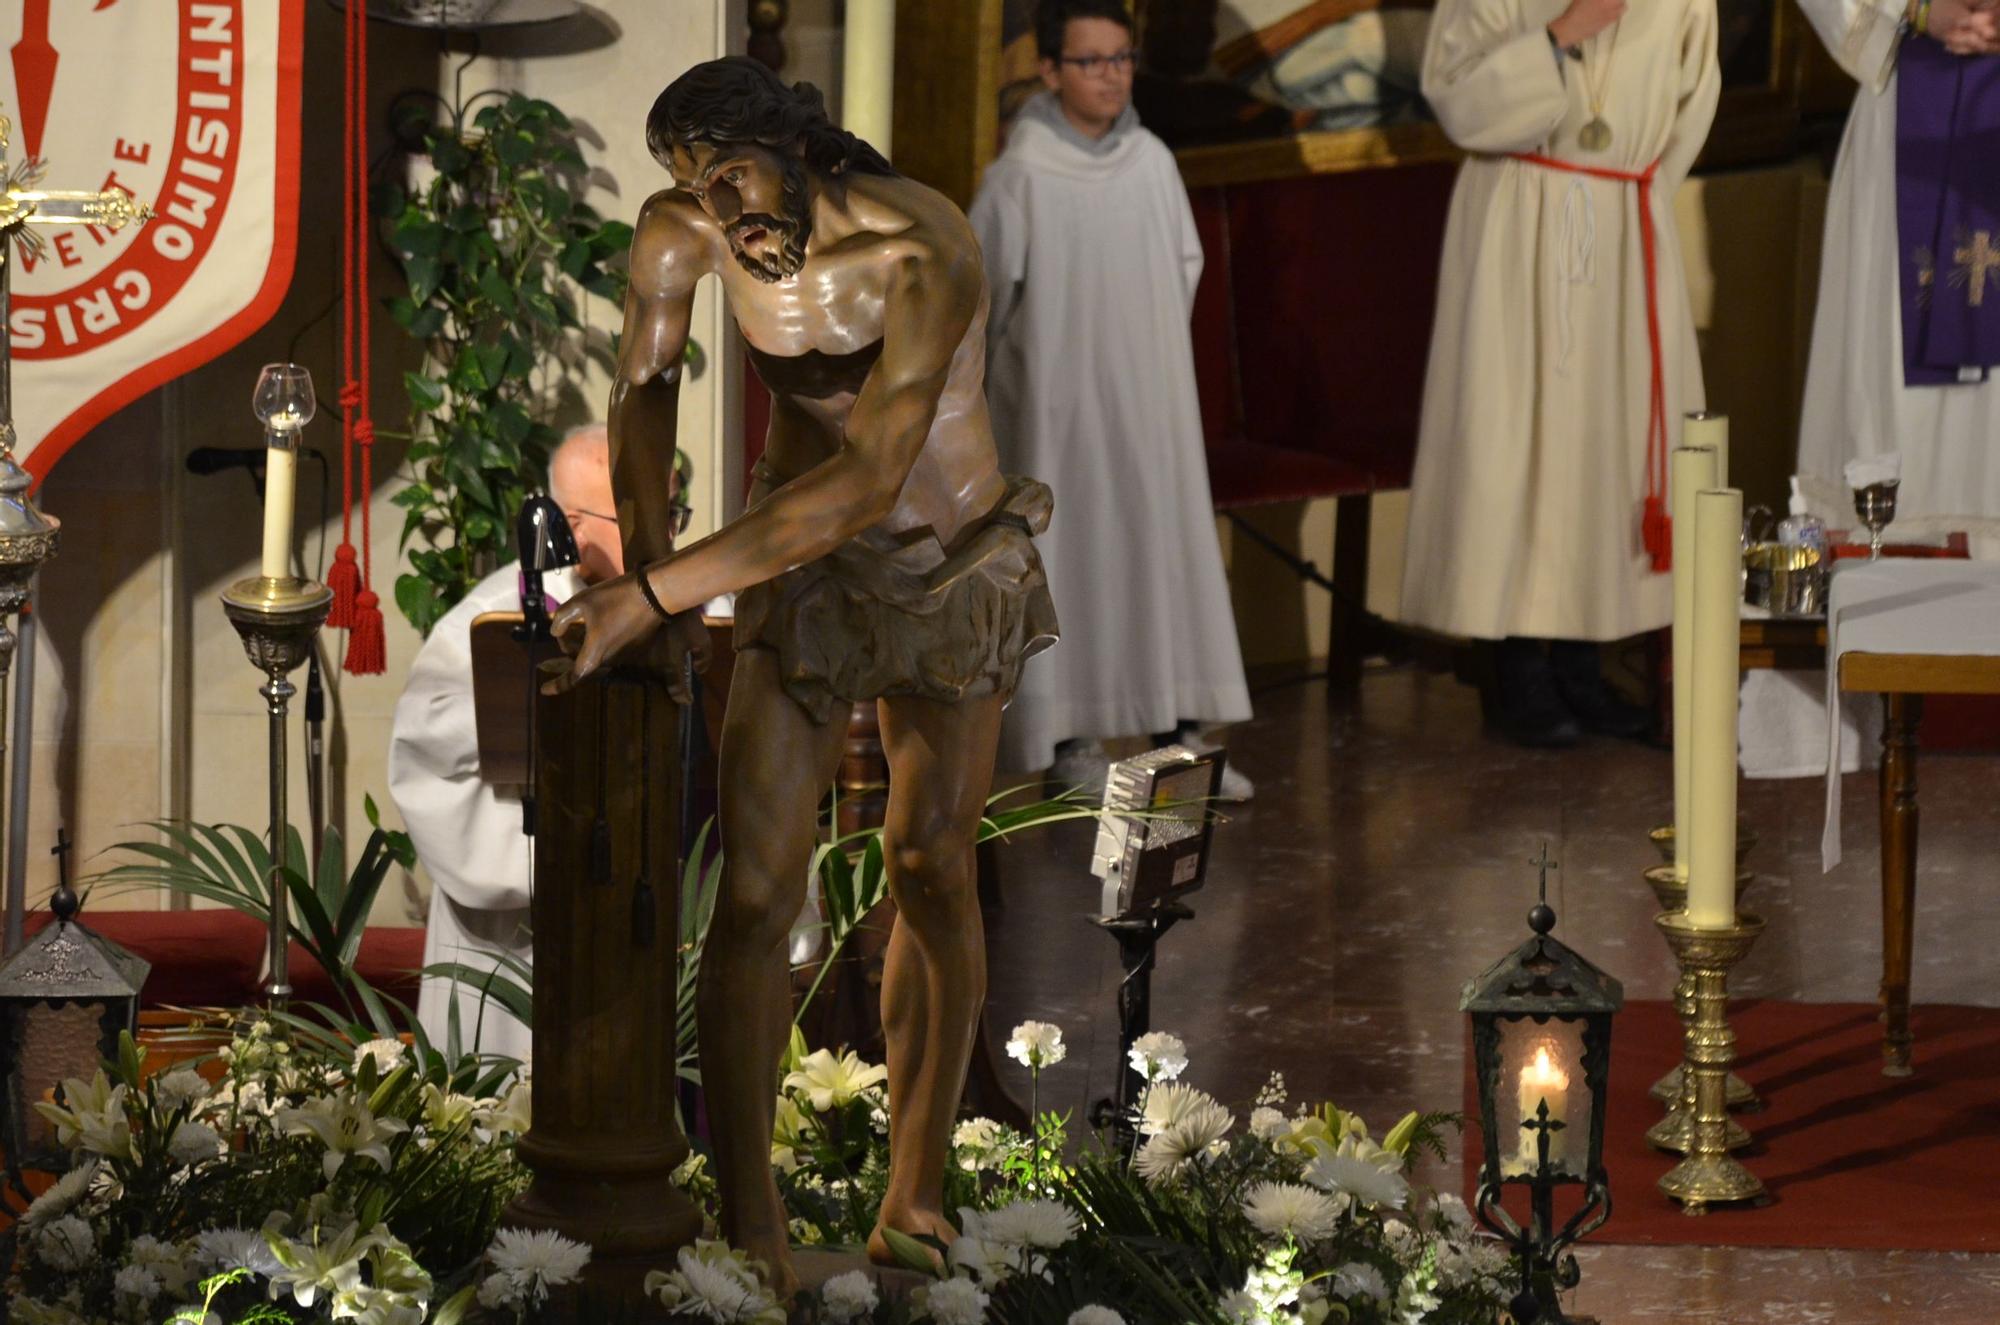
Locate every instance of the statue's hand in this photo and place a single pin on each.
(606, 624)
(683, 640)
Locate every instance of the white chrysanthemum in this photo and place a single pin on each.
(1095, 1315)
(136, 1283)
(29, 1311)
(1287, 1209)
(388, 1055)
(1359, 1279)
(537, 1260)
(235, 1249)
(1167, 1104)
(194, 1143)
(66, 1243)
(985, 1261)
(1365, 1182)
(163, 1259)
(178, 1088)
(848, 1297)
(1158, 1056)
(1036, 1044)
(500, 1292)
(826, 1082)
(1043, 1225)
(66, 1192)
(955, 1302)
(1191, 1136)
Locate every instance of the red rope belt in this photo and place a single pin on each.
(1654, 527)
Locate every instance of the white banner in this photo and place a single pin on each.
(191, 106)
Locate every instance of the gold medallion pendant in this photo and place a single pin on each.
(1594, 136)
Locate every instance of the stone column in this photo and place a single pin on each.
(605, 1142)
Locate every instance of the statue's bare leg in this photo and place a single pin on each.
(775, 763)
(934, 979)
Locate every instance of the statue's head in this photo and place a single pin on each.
(751, 151)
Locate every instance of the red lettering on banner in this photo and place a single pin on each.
(195, 194)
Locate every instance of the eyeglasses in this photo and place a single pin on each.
(679, 516)
(1097, 66)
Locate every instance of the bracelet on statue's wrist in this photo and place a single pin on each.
(652, 599)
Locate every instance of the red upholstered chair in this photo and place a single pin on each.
(1311, 333)
(207, 958)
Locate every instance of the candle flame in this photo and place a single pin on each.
(1544, 1071)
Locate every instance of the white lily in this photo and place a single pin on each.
(321, 1267)
(345, 1125)
(826, 1082)
(510, 1114)
(444, 1110)
(91, 1114)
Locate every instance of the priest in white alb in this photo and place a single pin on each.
(1092, 260)
(1906, 339)
(469, 832)
(1563, 354)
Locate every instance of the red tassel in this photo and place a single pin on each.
(1658, 531)
(367, 652)
(344, 578)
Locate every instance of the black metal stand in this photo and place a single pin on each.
(1138, 936)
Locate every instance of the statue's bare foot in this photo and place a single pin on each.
(914, 1223)
(772, 1246)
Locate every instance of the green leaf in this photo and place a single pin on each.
(575, 257)
(495, 290)
(512, 425)
(492, 363)
(416, 496)
(416, 235)
(425, 394)
(910, 1253)
(448, 155)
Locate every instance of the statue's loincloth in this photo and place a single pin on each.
(895, 614)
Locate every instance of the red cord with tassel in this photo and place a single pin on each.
(356, 607)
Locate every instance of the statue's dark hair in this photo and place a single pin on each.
(1052, 21)
(737, 102)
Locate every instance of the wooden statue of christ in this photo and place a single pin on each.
(882, 558)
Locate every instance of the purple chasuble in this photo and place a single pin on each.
(1948, 212)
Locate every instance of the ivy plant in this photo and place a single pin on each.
(499, 253)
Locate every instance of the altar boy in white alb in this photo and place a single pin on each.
(1092, 260)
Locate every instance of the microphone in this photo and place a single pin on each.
(205, 460)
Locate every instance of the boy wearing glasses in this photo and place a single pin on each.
(1092, 260)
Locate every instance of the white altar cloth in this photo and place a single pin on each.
(1901, 605)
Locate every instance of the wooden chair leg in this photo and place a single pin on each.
(1899, 875)
(1349, 632)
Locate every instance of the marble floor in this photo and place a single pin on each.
(1385, 860)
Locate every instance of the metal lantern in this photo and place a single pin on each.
(64, 997)
(1541, 1043)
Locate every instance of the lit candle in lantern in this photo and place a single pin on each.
(284, 404)
(1543, 1081)
(1718, 591)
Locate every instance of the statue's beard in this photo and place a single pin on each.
(791, 230)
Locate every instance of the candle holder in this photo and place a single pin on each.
(277, 619)
(1670, 891)
(1662, 839)
(1709, 1175)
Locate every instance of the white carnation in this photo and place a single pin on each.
(848, 1297)
(180, 1087)
(974, 1141)
(192, 1143)
(136, 1283)
(1095, 1315)
(1268, 1124)
(1036, 1044)
(1158, 1056)
(388, 1054)
(955, 1302)
(66, 1243)
(1359, 1279)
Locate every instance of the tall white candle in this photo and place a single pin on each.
(868, 72)
(1693, 469)
(1702, 428)
(1718, 584)
(280, 475)
(1542, 1080)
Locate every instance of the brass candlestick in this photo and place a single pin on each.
(1709, 1174)
(277, 618)
(1670, 891)
(1662, 839)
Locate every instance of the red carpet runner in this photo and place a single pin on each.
(1850, 1158)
